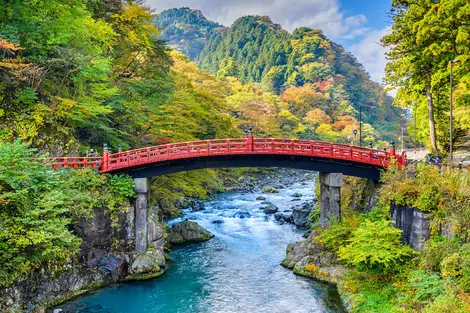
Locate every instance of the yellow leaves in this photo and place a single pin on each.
(312, 268)
(63, 107)
(135, 23)
(317, 116)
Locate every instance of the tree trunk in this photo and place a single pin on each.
(432, 125)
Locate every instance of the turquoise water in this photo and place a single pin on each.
(237, 271)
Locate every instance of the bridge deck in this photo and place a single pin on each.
(129, 160)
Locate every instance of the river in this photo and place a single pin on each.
(237, 271)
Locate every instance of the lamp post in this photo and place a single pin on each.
(355, 133)
(403, 116)
(360, 122)
(451, 63)
(415, 132)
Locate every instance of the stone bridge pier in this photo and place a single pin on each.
(330, 202)
(142, 188)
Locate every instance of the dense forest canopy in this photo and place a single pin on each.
(425, 37)
(312, 75)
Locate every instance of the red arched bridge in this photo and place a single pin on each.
(240, 152)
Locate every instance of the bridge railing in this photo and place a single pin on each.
(242, 146)
(74, 162)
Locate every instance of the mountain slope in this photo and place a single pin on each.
(186, 30)
(313, 75)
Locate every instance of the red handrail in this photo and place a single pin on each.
(236, 146)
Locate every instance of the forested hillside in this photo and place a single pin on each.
(187, 30)
(322, 85)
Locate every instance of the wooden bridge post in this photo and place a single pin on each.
(142, 188)
(330, 202)
(104, 164)
(251, 141)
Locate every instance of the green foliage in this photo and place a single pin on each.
(186, 30)
(33, 227)
(169, 192)
(445, 194)
(38, 205)
(435, 250)
(375, 246)
(303, 66)
(425, 36)
(427, 285)
(338, 234)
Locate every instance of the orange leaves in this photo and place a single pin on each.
(9, 48)
(302, 99)
(317, 116)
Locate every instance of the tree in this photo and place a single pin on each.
(228, 67)
(408, 67)
(425, 37)
(274, 79)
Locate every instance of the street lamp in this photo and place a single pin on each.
(360, 122)
(451, 62)
(355, 133)
(403, 133)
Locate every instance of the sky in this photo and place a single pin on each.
(358, 25)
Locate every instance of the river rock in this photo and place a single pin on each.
(145, 263)
(269, 189)
(297, 195)
(301, 213)
(283, 217)
(304, 252)
(198, 206)
(270, 209)
(188, 231)
(217, 222)
(261, 198)
(116, 267)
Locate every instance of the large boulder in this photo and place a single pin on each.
(188, 231)
(114, 266)
(283, 217)
(146, 263)
(310, 259)
(301, 214)
(270, 209)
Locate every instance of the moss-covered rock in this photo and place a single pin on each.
(269, 189)
(188, 231)
(145, 263)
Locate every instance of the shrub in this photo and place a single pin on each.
(375, 246)
(338, 234)
(435, 250)
(427, 285)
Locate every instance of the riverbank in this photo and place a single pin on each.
(238, 269)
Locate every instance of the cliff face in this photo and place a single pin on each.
(106, 256)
